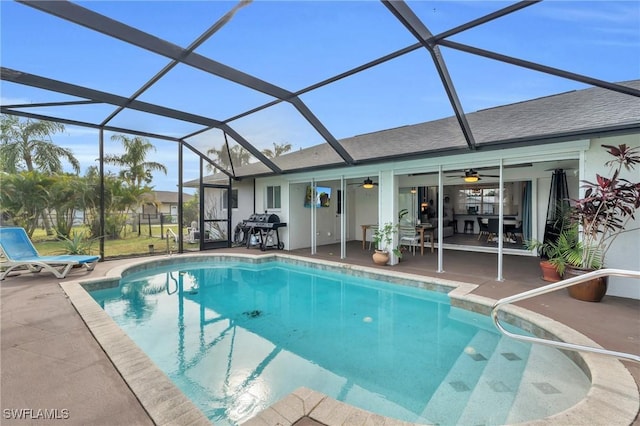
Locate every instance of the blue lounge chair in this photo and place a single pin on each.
(20, 252)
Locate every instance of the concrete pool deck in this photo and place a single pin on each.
(50, 360)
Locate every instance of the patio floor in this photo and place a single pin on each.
(50, 360)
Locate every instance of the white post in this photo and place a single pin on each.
(388, 206)
(313, 217)
(440, 214)
(500, 222)
(343, 218)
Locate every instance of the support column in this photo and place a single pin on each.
(313, 217)
(388, 206)
(440, 221)
(500, 223)
(343, 218)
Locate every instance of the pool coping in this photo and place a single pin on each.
(612, 399)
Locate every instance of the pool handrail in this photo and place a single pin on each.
(556, 286)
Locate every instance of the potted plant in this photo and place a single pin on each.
(550, 252)
(606, 209)
(383, 238)
(549, 257)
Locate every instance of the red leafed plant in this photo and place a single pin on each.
(604, 212)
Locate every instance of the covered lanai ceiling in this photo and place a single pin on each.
(306, 73)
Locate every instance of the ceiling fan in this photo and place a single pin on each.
(471, 175)
(367, 184)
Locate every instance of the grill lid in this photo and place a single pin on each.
(264, 218)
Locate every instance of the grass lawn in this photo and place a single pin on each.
(130, 245)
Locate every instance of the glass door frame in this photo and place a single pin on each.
(204, 244)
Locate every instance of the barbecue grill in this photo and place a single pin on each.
(261, 228)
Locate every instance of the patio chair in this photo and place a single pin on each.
(409, 237)
(493, 229)
(484, 228)
(20, 252)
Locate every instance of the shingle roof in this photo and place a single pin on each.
(170, 196)
(540, 120)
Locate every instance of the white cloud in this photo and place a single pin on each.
(619, 13)
(13, 101)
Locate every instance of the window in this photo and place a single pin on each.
(273, 197)
(234, 199)
(486, 200)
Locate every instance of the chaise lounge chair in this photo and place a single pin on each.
(20, 252)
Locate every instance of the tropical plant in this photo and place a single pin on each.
(278, 150)
(229, 158)
(27, 145)
(606, 209)
(68, 194)
(191, 209)
(568, 250)
(79, 243)
(25, 197)
(383, 238)
(136, 170)
(118, 199)
(549, 250)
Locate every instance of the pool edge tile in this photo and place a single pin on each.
(609, 378)
(137, 370)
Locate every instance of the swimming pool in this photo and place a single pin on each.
(236, 339)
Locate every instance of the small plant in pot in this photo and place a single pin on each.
(550, 252)
(603, 214)
(383, 238)
(549, 258)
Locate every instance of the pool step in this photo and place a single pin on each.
(451, 397)
(550, 384)
(491, 400)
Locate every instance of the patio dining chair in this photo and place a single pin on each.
(409, 237)
(19, 252)
(493, 229)
(484, 228)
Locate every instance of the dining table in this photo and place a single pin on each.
(421, 229)
(508, 226)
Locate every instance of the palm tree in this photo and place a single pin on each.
(136, 173)
(227, 157)
(25, 197)
(136, 170)
(27, 145)
(278, 150)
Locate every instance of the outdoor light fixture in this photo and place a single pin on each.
(368, 183)
(413, 190)
(471, 178)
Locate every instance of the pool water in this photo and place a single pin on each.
(236, 337)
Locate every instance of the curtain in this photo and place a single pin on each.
(526, 211)
(558, 205)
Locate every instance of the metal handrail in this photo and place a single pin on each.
(556, 286)
(175, 238)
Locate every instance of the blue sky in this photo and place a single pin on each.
(295, 44)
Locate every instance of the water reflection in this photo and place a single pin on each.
(238, 339)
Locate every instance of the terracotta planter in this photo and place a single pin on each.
(380, 257)
(549, 272)
(590, 291)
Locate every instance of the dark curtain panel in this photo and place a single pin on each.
(558, 205)
(526, 210)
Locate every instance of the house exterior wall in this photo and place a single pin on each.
(283, 212)
(245, 202)
(370, 206)
(625, 250)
